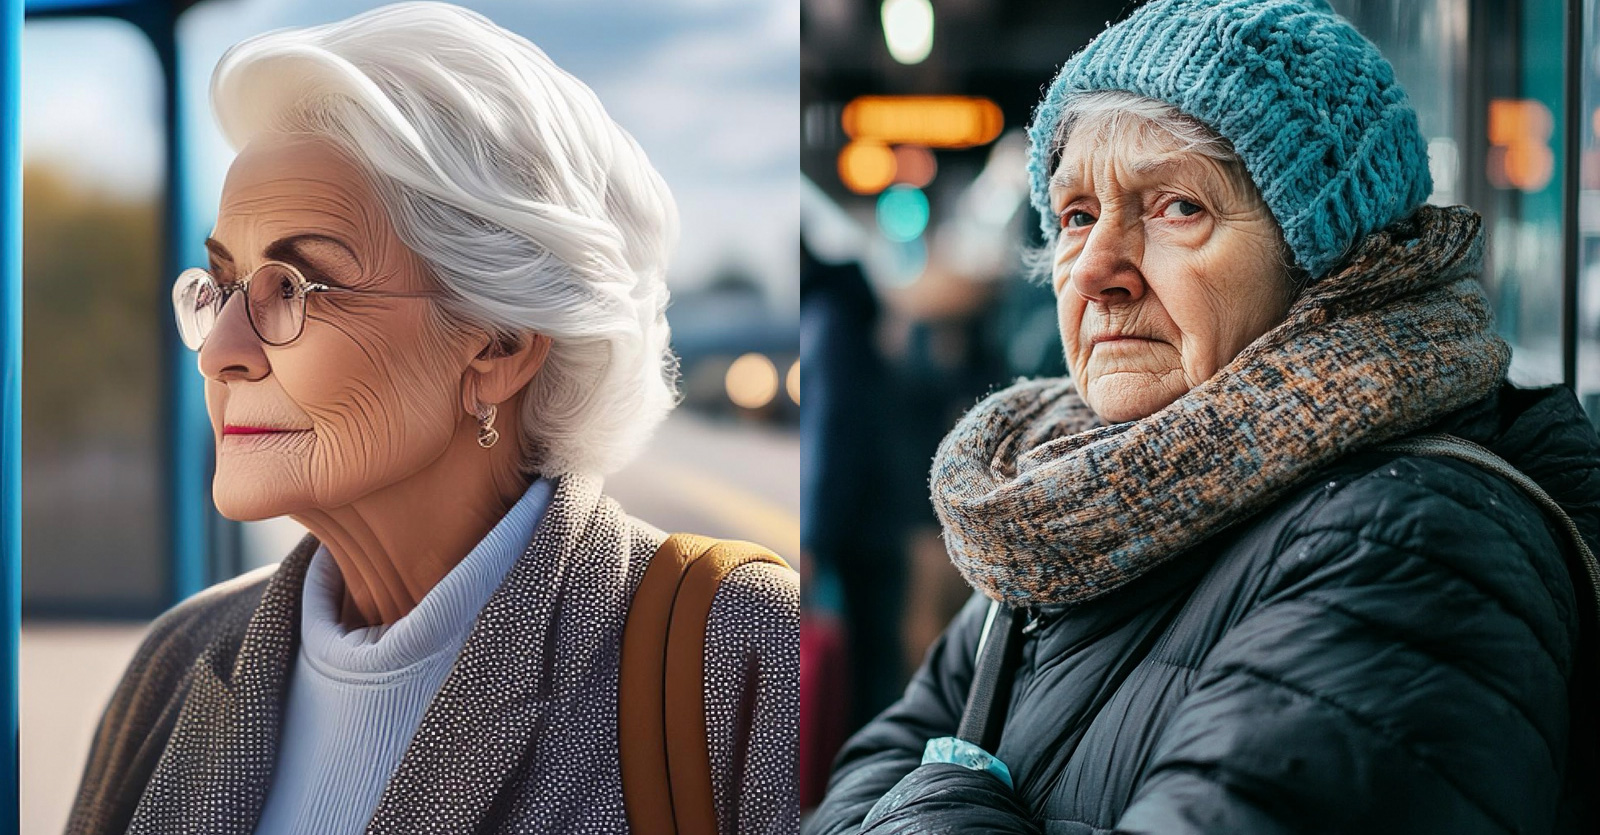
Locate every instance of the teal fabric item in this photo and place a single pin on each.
(955, 751)
(357, 696)
(1325, 131)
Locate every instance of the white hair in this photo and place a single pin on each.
(533, 209)
(1122, 114)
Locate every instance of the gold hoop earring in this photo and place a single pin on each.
(487, 434)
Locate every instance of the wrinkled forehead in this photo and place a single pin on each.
(280, 184)
(1132, 153)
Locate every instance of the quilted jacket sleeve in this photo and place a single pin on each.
(879, 785)
(1403, 669)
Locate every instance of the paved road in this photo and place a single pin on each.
(726, 479)
(721, 478)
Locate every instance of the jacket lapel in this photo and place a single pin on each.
(214, 772)
(537, 649)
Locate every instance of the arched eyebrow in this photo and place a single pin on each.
(1151, 167)
(287, 249)
(1142, 170)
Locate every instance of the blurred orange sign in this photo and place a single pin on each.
(1519, 136)
(931, 121)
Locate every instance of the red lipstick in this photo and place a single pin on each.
(253, 430)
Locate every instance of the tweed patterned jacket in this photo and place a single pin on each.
(522, 737)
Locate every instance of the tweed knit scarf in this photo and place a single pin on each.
(1041, 503)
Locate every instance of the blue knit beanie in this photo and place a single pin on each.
(1324, 130)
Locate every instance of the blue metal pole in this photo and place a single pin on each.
(187, 440)
(10, 398)
(188, 429)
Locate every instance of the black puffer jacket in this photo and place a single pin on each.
(1387, 649)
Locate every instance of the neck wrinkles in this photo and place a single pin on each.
(393, 545)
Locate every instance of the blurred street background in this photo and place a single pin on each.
(117, 519)
(915, 301)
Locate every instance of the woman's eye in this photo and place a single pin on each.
(1185, 208)
(1076, 218)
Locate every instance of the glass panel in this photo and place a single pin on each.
(1589, 219)
(95, 302)
(1485, 78)
(92, 285)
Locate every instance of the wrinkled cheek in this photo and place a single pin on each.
(386, 424)
(1069, 321)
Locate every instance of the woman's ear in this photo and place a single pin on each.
(505, 366)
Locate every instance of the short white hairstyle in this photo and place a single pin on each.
(534, 210)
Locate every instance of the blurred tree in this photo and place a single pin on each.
(90, 266)
(92, 320)
(90, 292)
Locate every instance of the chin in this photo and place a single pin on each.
(1123, 406)
(246, 505)
(253, 493)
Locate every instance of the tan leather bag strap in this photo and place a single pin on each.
(666, 764)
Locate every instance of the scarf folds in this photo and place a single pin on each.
(1041, 503)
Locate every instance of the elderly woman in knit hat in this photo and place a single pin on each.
(1243, 572)
(433, 318)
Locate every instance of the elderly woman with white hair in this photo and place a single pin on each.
(432, 320)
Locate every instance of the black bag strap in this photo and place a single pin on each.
(991, 686)
(1584, 683)
(1463, 450)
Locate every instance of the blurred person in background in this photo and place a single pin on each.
(852, 556)
(1214, 594)
(445, 264)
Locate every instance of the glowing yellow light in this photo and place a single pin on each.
(1519, 136)
(752, 381)
(791, 382)
(932, 121)
(866, 166)
(1519, 121)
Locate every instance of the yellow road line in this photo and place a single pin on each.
(750, 516)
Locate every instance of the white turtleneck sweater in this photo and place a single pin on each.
(357, 696)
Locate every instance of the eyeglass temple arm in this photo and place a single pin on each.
(316, 287)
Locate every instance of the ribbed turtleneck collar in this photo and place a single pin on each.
(440, 622)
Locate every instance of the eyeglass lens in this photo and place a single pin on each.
(276, 309)
(275, 306)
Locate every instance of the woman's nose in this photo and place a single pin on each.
(1106, 269)
(233, 350)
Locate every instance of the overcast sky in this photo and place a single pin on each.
(710, 88)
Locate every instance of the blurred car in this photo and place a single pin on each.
(737, 356)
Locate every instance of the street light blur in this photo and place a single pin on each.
(867, 166)
(752, 381)
(908, 29)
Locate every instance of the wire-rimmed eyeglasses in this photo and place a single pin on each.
(274, 301)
